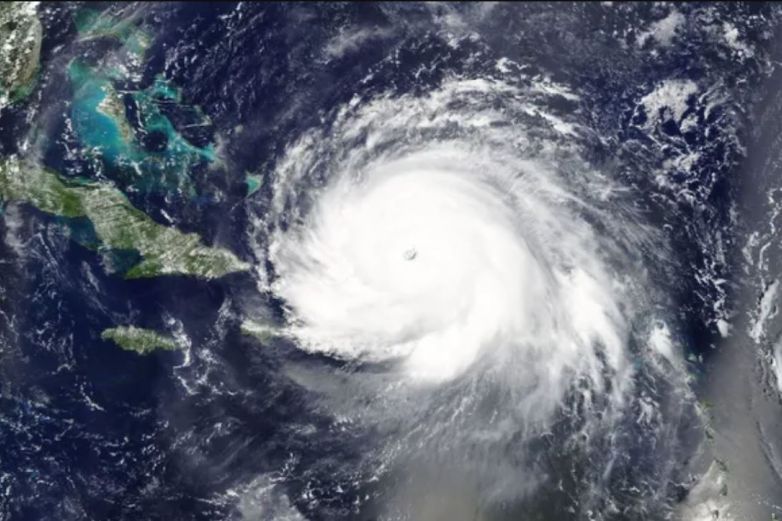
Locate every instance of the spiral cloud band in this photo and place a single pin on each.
(446, 234)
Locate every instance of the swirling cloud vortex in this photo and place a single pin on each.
(443, 236)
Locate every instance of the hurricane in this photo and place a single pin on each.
(390, 261)
(457, 246)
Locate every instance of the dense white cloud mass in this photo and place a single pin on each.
(446, 235)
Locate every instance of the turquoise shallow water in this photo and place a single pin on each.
(99, 117)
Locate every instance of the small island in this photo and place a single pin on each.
(142, 341)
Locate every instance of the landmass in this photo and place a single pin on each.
(142, 341)
(117, 224)
(20, 34)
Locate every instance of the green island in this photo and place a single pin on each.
(20, 32)
(142, 341)
(117, 224)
